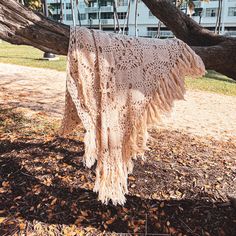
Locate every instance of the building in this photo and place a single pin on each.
(94, 16)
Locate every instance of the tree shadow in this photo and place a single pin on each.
(25, 58)
(27, 197)
(25, 194)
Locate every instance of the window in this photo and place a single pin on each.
(105, 3)
(112, 29)
(232, 11)
(232, 28)
(55, 6)
(122, 3)
(69, 17)
(68, 5)
(56, 17)
(211, 12)
(107, 15)
(121, 15)
(92, 16)
(156, 28)
(198, 11)
(152, 28)
(82, 16)
(92, 4)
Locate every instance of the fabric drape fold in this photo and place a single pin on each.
(118, 86)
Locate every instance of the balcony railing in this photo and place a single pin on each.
(153, 34)
(103, 21)
(230, 33)
(96, 9)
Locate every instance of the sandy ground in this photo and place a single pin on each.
(42, 90)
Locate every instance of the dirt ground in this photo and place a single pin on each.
(186, 186)
(201, 113)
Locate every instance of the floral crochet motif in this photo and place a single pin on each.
(118, 86)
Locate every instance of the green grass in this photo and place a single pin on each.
(29, 56)
(213, 82)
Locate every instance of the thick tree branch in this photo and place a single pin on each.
(218, 52)
(19, 25)
(182, 25)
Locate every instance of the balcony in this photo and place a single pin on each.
(230, 33)
(96, 9)
(96, 22)
(163, 34)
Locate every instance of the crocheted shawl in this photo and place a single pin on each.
(118, 86)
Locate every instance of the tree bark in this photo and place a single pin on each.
(182, 26)
(217, 52)
(19, 25)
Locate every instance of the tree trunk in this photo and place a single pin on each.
(218, 52)
(20, 25)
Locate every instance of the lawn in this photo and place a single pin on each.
(28, 56)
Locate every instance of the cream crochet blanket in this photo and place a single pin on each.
(118, 86)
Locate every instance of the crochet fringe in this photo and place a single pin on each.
(114, 162)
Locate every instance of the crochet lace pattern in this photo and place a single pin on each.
(118, 86)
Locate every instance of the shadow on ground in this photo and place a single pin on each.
(46, 182)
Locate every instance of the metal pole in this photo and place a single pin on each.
(99, 15)
(77, 7)
(126, 17)
(136, 18)
(223, 18)
(90, 21)
(46, 8)
(114, 16)
(159, 30)
(72, 12)
(61, 11)
(47, 55)
(221, 3)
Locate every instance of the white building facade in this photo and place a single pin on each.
(146, 25)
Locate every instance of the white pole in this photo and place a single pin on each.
(126, 18)
(78, 12)
(116, 16)
(223, 18)
(72, 12)
(46, 8)
(99, 15)
(136, 18)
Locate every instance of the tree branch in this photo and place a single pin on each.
(19, 25)
(182, 26)
(217, 52)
